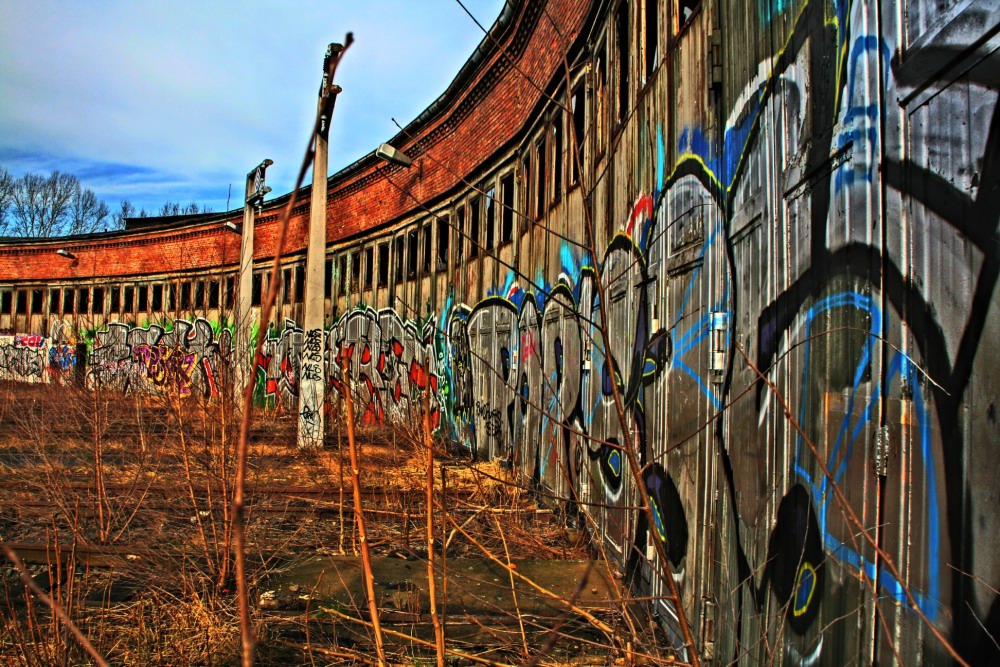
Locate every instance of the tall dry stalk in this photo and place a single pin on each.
(359, 519)
(56, 608)
(103, 505)
(247, 632)
(189, 484)
(429, 444)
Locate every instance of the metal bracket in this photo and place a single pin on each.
(881, 444)
(715, 60)
(720, 327)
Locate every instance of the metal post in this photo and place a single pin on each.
(312, 371)
(252, 199)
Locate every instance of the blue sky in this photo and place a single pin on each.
(157, 101)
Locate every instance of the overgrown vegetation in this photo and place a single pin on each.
(120, 507)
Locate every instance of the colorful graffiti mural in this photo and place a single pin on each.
(190, 357)
(36, 358)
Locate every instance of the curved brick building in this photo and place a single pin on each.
(743, 254)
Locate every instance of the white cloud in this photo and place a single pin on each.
(195, 94)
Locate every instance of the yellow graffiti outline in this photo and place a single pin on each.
(656, 510)
(796, 610)
(833, 21)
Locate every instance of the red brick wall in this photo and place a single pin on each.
(351, 208)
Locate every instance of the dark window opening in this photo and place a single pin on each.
(557, 157)
(540, 178)
(256, 287)
(601, 95)
(411, 254)
(397, 258)
(686, 9)
(128, 298)
(83, 301)
(142, 296)
(579, 127)
(355, 271)
(37, 301)
(22, 302)
(230, 292)
(652, 28)
(286, 284)
(622, 60)
(342, 276)
(491, 217)
(474, 227)
(369, 267)
(69, 301)
(328, 279)
(526, 179)
(443, 236)
(99, 300)
(116, 299)
(460, 235)
(157, 298)
(199, 294)
(428, 252)
(54, 301)
(169, 290)
(6, 301)
(213, 294)
(186, 294)
(383, 265)
(507, 213)
(300, 283)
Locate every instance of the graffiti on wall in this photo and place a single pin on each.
(391, 363)
(25, 363)
(36, 358)
(189, 358)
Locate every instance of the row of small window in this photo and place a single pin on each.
(472, 226)
(542, 163)
(156, 297)
(647, 42)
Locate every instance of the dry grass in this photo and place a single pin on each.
(122, 453)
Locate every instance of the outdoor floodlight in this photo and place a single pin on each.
(393, 155)
(233, 227)
(65, 253)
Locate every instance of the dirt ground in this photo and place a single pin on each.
(121, 505)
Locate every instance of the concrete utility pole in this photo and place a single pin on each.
(312, 370)
(253, 198)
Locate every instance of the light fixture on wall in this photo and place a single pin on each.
(65, 253)
(393, 156)
(233, 227)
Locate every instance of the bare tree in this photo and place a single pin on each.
(87, 214)
(174, 208)
(169, 208)
(6, 196)
(128, 210)
(41, 204)
(193, 208)
(56, 205)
